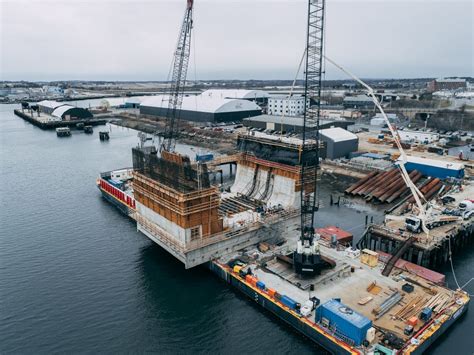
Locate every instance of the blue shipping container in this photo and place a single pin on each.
(287, 301)
(344, 321)
(434, 171)
(261, 285)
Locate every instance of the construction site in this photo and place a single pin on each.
(260, 234)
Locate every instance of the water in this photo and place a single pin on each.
(76, 276)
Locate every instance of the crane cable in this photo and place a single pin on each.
(291, 92)
(417, 195)
(454, 274)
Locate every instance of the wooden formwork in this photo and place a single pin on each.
(187, 210)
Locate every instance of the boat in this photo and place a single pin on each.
(104, 136)
(116, 188)
(63, 132)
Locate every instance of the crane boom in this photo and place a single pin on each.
(417, 195)
(178, 79)
(306, 258)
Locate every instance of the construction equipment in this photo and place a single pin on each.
(306, 258)
(417, 195)
(178, 80)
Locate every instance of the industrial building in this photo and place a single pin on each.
(290, 124)
(446, 84)
(418, 137)
(258, 96)
(203, 108)
(435, 168)
(339, 142)
(289, 106)
(359, 102)
(63, 111)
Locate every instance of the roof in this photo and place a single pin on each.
(353, 317)
(202, 103)
(51, 104)
(456, 80)
(236, 94)
(285, 97)
(357, 98)
(289, 120)
(58, 112)
(338, 134)
(284, 139)
(433, 162)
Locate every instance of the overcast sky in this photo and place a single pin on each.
(233, 39)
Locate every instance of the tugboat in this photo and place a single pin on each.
(104, 136)
(63, 132)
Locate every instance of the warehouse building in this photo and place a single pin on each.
(69, 113)
(63, 111)
(359, 102)
(48, 106)
(435, 168)
(258, 96)
(290, 124)
(339, 142)
(203, 108)
(446, 84)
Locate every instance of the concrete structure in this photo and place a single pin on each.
(290, 124)
(418, 137)
(289, 106)
(446, 84)
(339, 142)
(359, 102)
(203, 108)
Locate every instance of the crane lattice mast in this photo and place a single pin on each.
(307, 258)
(178, 79)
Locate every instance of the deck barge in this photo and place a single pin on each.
(246, 235)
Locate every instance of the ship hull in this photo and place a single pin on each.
(122, 207)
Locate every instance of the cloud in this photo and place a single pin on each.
(134, 40)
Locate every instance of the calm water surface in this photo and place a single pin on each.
(76, 276)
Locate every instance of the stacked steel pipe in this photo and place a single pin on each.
(388, 186)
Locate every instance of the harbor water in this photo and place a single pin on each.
(76, 276)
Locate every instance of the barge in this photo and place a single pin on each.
(246, 236)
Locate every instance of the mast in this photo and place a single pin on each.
(306, 258)
(178, 79)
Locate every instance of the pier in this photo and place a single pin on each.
(45, 124)
(431, 251)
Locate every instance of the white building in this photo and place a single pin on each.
(290, 106)
(418, 137)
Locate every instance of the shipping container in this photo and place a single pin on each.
(287, 301)
(343, 321)
(261, 285)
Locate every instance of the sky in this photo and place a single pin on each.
(232, 39)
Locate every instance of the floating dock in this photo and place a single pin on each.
(44, 123)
